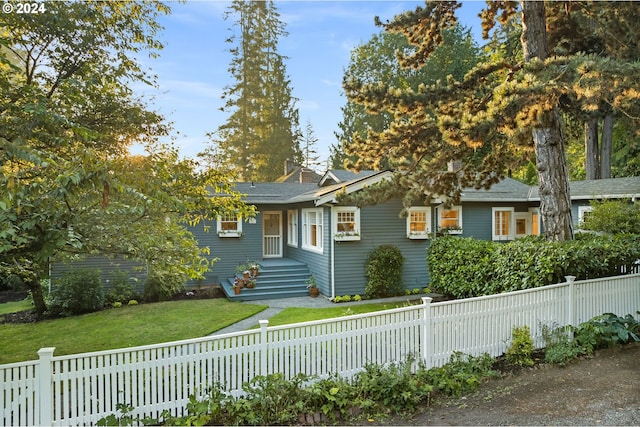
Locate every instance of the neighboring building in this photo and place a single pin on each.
(300, 230)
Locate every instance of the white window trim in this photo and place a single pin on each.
(415, 235)
(341, 236)
(320, 234)
(292, 227)
(511, 224)
(229, 233)
(581, 211)
(457, 230)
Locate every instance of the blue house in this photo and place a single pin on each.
(300, 229)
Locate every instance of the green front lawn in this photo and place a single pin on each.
(15, 306)
(296, 315)
(127, 326)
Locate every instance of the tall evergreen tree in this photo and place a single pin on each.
(310, 157)
(262, 130)
(482, 120)
(375, 61)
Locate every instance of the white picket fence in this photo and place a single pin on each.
(82, 388)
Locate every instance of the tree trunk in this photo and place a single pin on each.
(606, 146)
(551, 163)
(591, 148)
(33, 283)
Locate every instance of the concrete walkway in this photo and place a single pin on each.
(277, 305)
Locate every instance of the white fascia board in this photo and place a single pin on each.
(353, 186)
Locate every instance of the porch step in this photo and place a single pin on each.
(278, 278)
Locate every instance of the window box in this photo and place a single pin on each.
(345, 236)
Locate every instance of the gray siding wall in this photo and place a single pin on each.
(379, 225)
(137, 271)
(319, 264)
(477, 218)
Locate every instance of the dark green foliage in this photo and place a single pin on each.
(465, 267)
(606, 331)
(461, 267)
(394, 387)
(77, 292)
(613, 216)
(162, 285)
(559, 345)
(520, 351)
(462, 374)
(122, 290)
(384, 272)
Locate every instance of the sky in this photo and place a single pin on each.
(192, 70)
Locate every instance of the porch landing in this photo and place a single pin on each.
(278, 278)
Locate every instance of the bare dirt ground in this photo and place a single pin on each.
(603, 389)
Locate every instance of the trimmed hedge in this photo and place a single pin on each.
(384, 272)
(465, 267)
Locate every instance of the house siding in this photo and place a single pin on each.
(379, 225)
(107, 266)
(319, 264)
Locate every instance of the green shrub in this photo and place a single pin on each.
(559, 346)
(465, 267)
(163, 285)
(462, 374)
(393, 387)
(461, 267)
(77, 292)
(607, 330)
(613, 216)
(122, 290)
(383, 270)
(520, 351)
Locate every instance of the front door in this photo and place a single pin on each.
(272, 234)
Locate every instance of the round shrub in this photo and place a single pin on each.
(77, 292)
(384, 272)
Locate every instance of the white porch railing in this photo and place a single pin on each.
(82, 388)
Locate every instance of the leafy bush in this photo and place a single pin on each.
(162, 285)
(462, 374)
(559, 345)
(465, 267)
(77, 292)
(607, 330)
(461, 267)
(121, 289)
(393, 387)
(384, 272)
(520, 351)
(613, 216)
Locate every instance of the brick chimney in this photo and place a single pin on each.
(289, 166)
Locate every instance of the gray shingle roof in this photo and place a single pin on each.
(601, 188)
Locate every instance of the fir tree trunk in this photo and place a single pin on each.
(591, 148)
(555, 202)
(605, 148)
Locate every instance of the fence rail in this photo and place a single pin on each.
(82, 388)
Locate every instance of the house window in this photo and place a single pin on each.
(503, 223)
(229, 225)
(346, 222)
(312, 229)
(419, 223)
(450, 219)
(583, 213)
(535, 221)
(292, 227)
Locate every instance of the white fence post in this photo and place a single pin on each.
(264, 347)
(426, 331)
(45, 392)
(572, 300)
